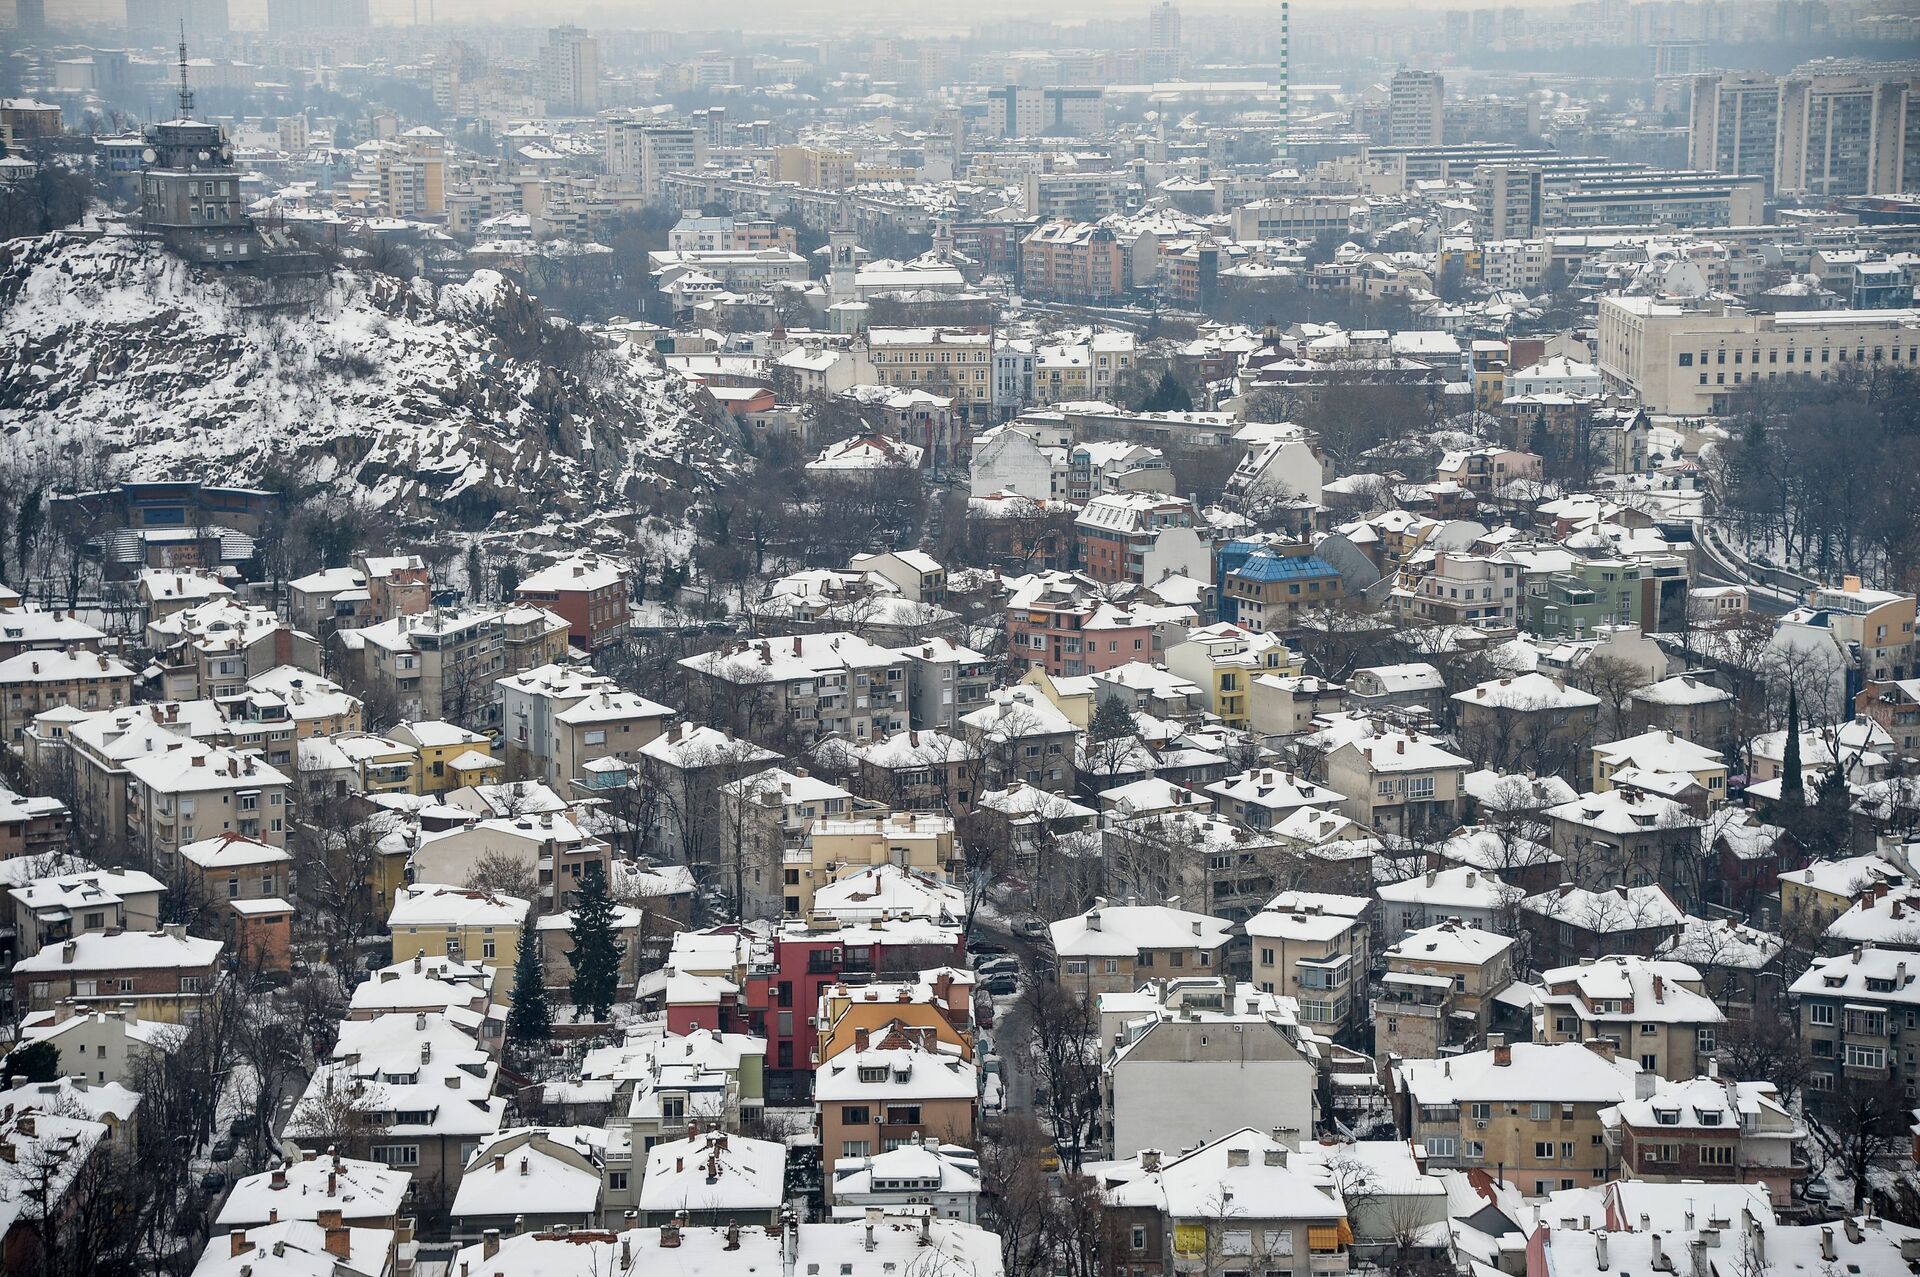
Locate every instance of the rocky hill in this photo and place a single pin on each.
(466, 399)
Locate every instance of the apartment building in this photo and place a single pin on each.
(808, 685)
(443, 664)
(891, 1089)
(1853, 1009)
(1115, 948)
(919, 771)
(945, 682)
(1464, 589)
(1631, 837)
(437, 921)
(1116, 531)
(1822, 135)
(1707, 1130)
(1691, 358)
(1312, 946)
(588, 592)
(841, 846)
(211, 649)
(1879, 623)
(163, 973)
(1224, 659)
(954, 362)
(1438, 992)
(1416, 108)
(1467, 894)
(1193, 1059)
(1654, 1012)
(52, 910)
(1073, 261)
(35, 682)
(185, 791)
(1571, 924)
(1244, 1203)
(1398, 782)
(1531, 1111)
(1060, 623)
(559, 718)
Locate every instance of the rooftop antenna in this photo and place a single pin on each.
(186, 93)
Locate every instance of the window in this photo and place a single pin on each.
(855, 1115)
(1441, 1145)
(1480, 1112)
(1716, 1155)
(1541, 1111)
(1820, 1013)
(1139, 1239)
(616, 1180)
(1543, 1150)
(1866, 1057)
(397, 1154)
(856, 1148)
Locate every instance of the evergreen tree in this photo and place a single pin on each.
(1111, 720)
(529, 1019)
(1793, 786)
(595, 956)
(1168, 396)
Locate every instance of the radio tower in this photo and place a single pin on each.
(186, 93)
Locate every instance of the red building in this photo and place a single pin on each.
(772, 989)
(1060, 624)
(588, 592)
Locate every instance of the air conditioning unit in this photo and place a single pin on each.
(1480, 1125)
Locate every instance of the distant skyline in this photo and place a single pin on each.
(777, 16)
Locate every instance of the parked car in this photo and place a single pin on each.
(1030, 928)
(1001, 983)
(984, 947)
(997, 964)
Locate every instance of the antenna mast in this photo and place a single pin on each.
(186, 93)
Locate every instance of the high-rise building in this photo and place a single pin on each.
(639, 152)
(162, 21)
(1415, 109)
(317, 15)
(1163, 41)
(570, 71)
(1013, 111)
(29, 17)
(1735, 124)
(1817, 135)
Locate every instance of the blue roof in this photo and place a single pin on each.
(1265, 565)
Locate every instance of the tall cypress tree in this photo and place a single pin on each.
(529, 1019)
(595, 956)
(1793, 786)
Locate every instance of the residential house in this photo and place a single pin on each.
(1312, 946)
(1652, 1011)
(163, 973)
(1398, 782)
(34, 682)
(588, 592)
(1114, 948)
(1707, 1130)
(1573, 924)
(892, 1090)
(1438, 993)
(1532, 1111)
(437, 921)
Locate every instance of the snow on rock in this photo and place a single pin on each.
(467, 399)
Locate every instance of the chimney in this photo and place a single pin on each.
(874, 1214)
(1600, 1249)
(238, 1245)
(1236, 1157)
(1502, 1056)
(1658, 1260)
(1275, 1157)
(1827, 1251)
(490, 1243)
(1150, 1160)
(279, 1177)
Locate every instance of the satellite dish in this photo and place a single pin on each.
(226, 152)
(148, 155)
(204, 157)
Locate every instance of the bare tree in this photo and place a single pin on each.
(504, 874)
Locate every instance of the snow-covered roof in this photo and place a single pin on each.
(1124, 930)
(714, 1171)
(1564, 1073)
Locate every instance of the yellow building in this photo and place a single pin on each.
(956, 362)
(1224, 659)
(921, 841)
(940, 1011)
(814, 167)
(467, 926)
(1660, 751)
(451, 756)
(1071, 696)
